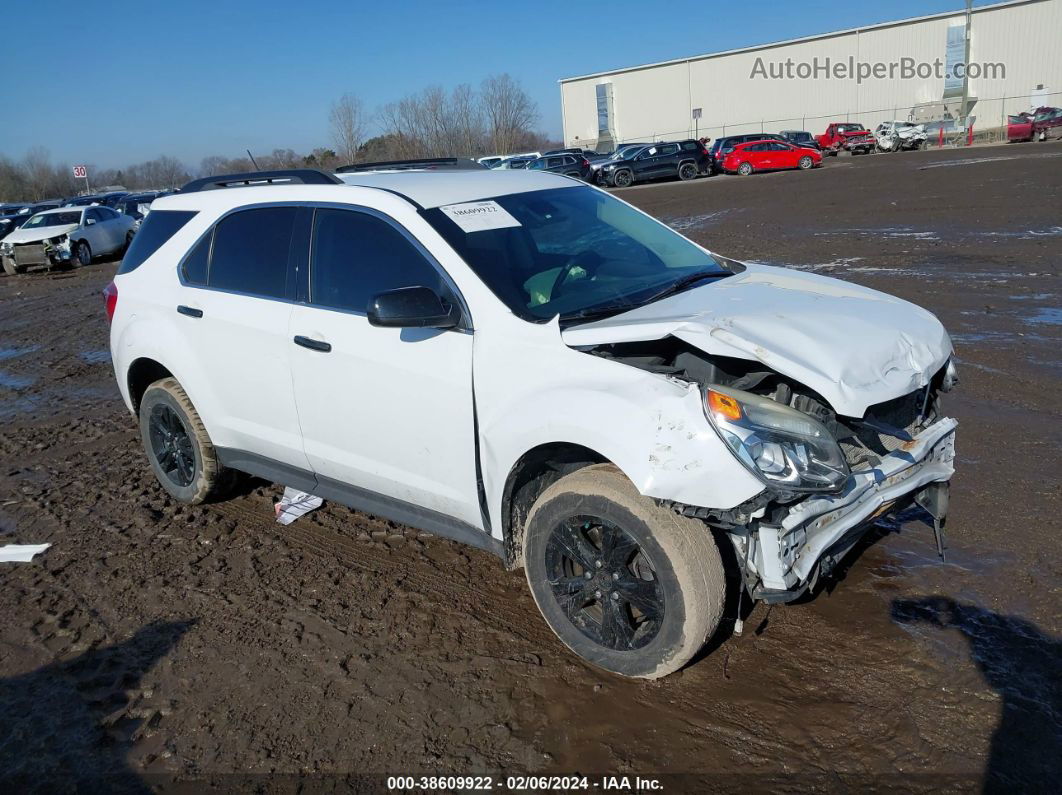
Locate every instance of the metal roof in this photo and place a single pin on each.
(802, 39)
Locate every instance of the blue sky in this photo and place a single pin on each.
(131, 80)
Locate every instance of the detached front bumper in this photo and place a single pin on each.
(786, 555)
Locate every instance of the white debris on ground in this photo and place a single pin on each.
(21, 553)
(294, 504)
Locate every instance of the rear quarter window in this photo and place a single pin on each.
(155, 230)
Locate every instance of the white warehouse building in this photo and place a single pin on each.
(1015, 64)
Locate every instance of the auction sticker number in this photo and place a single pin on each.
(440, 782)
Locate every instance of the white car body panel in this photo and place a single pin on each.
(37, 235)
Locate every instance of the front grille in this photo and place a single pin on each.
(31, 254)
(866, 445)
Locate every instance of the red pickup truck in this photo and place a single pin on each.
(1041, 123)
(851, 137)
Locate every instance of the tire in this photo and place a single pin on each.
(10, 268)
(128, 242)
(177, 445)
(687, 171)
(669, 564)
(805, 162)
(623, 178)
(745, 169)
(82, 255)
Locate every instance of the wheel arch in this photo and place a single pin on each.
(534, 472)
(142, 373)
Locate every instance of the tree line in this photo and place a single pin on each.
(497, 118)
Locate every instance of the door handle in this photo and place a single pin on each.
(312, 344)
(190, 311)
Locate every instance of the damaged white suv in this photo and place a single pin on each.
(525, 363)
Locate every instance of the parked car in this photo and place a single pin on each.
(513, 162)
(136, 205)
(800, 138)
(573, 150)
(684, 160)
(621, 152)
(67, 235)
(848, 137)
(730, 141)
(84, 201)
(895, 136)
(1043, 123)
(490, 161)
(768, 415)
(567, 164)
(747, 158)
(13, 216)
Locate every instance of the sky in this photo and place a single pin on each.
(130, 81)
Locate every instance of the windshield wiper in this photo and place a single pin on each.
(683, 284)
(597, 312)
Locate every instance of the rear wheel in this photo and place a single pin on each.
(687, 171)
(622, 178)
(745, 169)
(625, 583)
(805, 162)
(177, 445)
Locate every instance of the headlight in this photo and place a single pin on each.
(62, 240)
(781, 445)
(951, 377)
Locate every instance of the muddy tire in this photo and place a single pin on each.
(82, 255)
(10, 268)
(745, 169)
(687, 171)
(626, 584)
(177, 445)
(622, 178)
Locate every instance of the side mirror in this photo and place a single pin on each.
(90, 221)
(412, 307)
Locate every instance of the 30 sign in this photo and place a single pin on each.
(80, 172)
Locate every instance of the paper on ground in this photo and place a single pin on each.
(294, 504)
(21, 553)
(479, 216)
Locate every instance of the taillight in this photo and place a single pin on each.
(110, 299)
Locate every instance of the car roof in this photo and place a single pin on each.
(426, 189)
(75, 209)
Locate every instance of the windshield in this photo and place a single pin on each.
(572, 252)
(52, 219)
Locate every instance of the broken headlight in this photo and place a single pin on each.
(781, 445)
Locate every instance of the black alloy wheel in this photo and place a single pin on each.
(171, 445)
(605, 583)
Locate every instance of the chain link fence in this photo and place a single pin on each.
(988, 118)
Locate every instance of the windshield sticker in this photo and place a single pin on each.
(479, 216)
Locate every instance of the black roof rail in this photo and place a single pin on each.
(424, 163)
(289, 176)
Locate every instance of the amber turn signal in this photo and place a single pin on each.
(723, 405)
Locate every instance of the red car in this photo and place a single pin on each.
(743, 159)
(1042, 123)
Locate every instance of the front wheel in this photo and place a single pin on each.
(745, 169)
(805, 162)
(8, 263)
(622, 179)
(82, 254)
(687, 171)
(177, 445)
(625, 583)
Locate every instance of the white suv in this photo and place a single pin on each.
(527, 364)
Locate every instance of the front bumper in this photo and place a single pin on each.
(785, 555)
(25, 255)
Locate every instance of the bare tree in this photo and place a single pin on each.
(348, 121)
(510, 111)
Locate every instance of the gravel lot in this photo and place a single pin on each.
(155, 642)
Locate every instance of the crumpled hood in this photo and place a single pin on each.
(854, 346)
(38, 234)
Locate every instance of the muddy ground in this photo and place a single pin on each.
(156, 642)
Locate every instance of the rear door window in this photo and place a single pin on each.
(251, 252)
(356, 256)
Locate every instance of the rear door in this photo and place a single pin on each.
(387, 411)
(234, 306)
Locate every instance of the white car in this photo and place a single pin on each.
(527, 364)
(892, 136)
(67, 235)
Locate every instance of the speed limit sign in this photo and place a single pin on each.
(80, 172)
